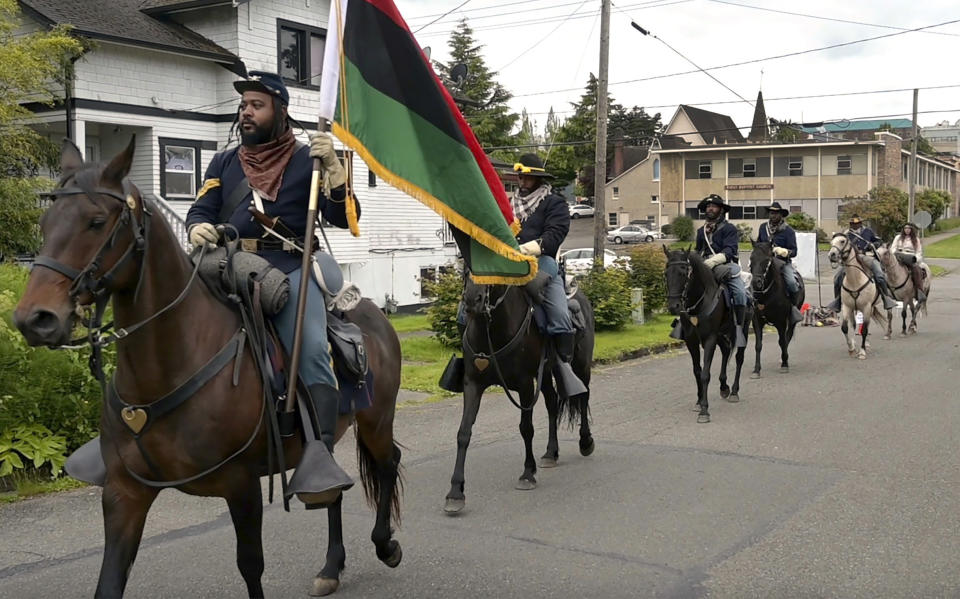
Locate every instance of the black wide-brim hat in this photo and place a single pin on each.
(713, 199)
(264, 82)
(775, 207)
(530, 165)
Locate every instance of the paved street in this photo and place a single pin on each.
(839, 479)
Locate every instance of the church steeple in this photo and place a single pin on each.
(759, 131)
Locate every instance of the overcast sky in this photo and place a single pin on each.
(713, 33)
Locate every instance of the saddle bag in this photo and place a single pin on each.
(346, 347)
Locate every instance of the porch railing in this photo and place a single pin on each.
(176, 221)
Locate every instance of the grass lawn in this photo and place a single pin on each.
(937, 271)
(424, 358)
(406, 323)
(682, 245)
(29, 486)
(947, 248)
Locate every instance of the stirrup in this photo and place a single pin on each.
(795, 315)
(676, 330)
(452, 377)
(86, 464)
(318, 480)
(572, 385)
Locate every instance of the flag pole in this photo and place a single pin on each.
(305, 271)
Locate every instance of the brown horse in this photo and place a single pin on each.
(96, 242)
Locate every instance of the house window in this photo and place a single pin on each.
(371, 179)
(616, 193)
(180, 168)
(300, 53)
(796, 209)
(795, 167)
(705, 169)
(749, 212)
(749, 168)
(654, 199)
(844, 165)
(612, 219)
(656, 169)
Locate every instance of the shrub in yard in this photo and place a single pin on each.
(39, 386)
(745, 232)
(667, 229)
(609, 292)
(442, 313)
(683, 228)
(801, 221)
(822, 236)
(647, 264)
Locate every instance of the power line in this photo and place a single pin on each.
(755, 60)
(822, 18)
(443, 15)
(540, 41)
(513, 3)
(477, 9)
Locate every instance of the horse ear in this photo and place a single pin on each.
(119, 167)
(753, 242)
(70, 157)
(689, 247)
(665, 252)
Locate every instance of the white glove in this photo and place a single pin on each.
(530, 248)
(321, 146)
(203, 234)
(782, 252)
(715, 260)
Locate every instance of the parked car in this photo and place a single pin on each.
(631, 233)
(579, 261)
(578, 210)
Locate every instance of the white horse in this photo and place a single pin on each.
(859, 293)
(901, 284)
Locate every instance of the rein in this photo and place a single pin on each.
(524, 327)
(686, 287)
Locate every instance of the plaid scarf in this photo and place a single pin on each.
(711, 226)
(525, 206)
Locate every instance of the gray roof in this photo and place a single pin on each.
(715, 128)
(163, 6)
(759, 131)
(122, 21)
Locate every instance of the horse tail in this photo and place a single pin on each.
(573, 411)
(879, 314)
(372, 472)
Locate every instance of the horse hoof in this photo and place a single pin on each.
(734, 398)
(703, 418)
(587, 448)
(546, 462)
(454, 506)
(525, 485)
(784, 369)
(324, 586)
(853, 352)
(887, 337)
(394, 558)
(754, 375)
(695, 408)
(724, 393)
(862, 357)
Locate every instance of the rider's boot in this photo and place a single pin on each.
(452, 378)
(676, 330)
(86, 463)
(572, 384)
(318, 480)
(738, 317)
(889, 303)
(795, 314)
(835, 304)
(917, 274)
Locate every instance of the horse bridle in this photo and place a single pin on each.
(685, 309)
(764, 286)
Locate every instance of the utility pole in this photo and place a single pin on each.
(600, 165)
(913, 159)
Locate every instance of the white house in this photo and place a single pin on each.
(163, 70)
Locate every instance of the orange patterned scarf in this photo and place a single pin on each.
(264, 164)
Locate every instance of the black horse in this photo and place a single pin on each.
(773, 305)
(502, 345)
(695, 296)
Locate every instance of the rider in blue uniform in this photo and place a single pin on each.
(718, 243)
(784, 241)
(273, 172)
(865, 240)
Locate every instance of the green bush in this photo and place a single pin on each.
(945, 224)
(683, 228)
(934, 201)
(647, 264)
(744, 232)
(609, 292)
(20, 213)
(31, 445)
(446, 290)
(801, 221)
(40, 386)
(822, 236)
(667, 229)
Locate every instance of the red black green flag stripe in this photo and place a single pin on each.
(387, 104)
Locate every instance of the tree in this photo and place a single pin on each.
(787, 132)
(884, 207)
(934, 201)
(32, 69)
(492, 122)
(801, 221)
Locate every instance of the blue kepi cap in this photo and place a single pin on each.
(268, 83)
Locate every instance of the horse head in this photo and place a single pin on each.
(91, 230)
(761, 264)
(886, 257)
(677, 273)
(840, 248)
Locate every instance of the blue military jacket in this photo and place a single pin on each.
(225, 173)
(725, 240)
(863, 239)
(784, 238)
(549, 223)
